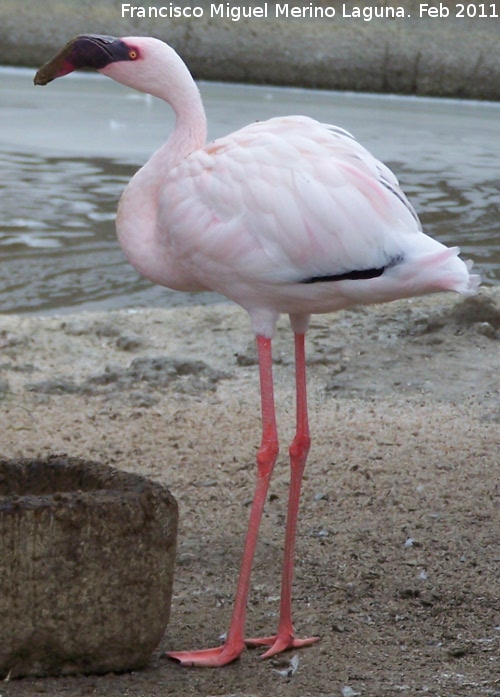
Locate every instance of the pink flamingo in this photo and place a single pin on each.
(283, 216)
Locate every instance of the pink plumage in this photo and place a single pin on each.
(287, 216)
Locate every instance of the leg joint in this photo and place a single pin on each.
(300, 445)
(267, 455)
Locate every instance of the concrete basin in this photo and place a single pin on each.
(86, 567)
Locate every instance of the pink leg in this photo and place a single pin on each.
(285, 638)
(266, 458)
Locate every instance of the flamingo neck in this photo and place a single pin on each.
(179, 90)
(162, 74)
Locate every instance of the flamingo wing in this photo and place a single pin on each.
(285, 201)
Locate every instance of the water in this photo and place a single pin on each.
(67, 151)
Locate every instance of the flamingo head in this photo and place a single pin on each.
(140, 62)
(86, 51)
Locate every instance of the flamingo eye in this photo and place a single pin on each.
(133, 54)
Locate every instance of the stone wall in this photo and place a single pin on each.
(428, 55)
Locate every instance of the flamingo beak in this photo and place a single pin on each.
(85, 51)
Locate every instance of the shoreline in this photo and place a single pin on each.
(82, 339)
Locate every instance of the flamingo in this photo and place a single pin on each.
(287, 216)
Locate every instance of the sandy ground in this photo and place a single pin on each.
(398, 546)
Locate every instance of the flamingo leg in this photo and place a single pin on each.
(299, 449)
(266, 459)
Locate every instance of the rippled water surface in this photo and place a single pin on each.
(67, 151)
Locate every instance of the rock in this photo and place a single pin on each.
(479, 308)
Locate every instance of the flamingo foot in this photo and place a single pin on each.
(210, 658)
(280, 642)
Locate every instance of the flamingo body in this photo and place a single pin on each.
(288, 216)
(264, 214)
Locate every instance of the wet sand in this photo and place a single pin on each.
(398, 548)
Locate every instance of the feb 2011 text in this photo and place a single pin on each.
(310, 11)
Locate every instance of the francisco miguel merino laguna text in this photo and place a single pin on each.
(235, 12)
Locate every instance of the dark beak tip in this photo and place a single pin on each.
(41, 79)
(84, 51)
